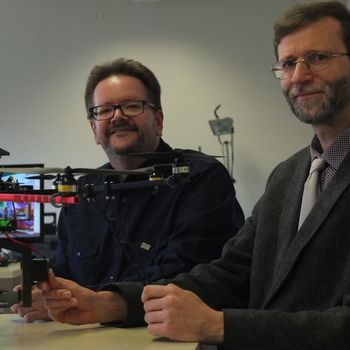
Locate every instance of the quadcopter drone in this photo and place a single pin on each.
(65, 187)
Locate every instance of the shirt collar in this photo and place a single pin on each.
(335, 153)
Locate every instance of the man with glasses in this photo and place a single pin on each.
(146, 233)
(282, 282)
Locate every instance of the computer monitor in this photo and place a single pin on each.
(25, 218)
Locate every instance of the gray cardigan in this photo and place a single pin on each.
(280, 288)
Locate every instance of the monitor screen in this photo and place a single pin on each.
(23, 220)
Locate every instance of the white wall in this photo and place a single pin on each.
(204, 52)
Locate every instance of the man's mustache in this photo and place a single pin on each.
(305, 90)
(124, 126)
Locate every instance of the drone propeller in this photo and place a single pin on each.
(88, 171)
(41, 177)
(34, 170)
(77, 171)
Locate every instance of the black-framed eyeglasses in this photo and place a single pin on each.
(314, 61)
(128, 109)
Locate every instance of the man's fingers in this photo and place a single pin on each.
(14, 308)
(43, 285)
(155, 291)
(36, 315)
(56, 294)
(53, 282)
(154, 317)
(54, 304)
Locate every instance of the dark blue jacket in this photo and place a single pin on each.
(145, 234)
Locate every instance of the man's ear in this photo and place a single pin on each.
(93, 128)
(158, 122)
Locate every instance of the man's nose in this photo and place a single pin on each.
(301, 72)
(118, 115)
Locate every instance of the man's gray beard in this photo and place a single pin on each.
(338, 96)
(136, 147)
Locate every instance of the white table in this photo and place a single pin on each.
(15, 334)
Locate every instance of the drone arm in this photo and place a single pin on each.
(113, 188)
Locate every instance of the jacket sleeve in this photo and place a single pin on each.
(278, 330)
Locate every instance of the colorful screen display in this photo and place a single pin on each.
(23, 221)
